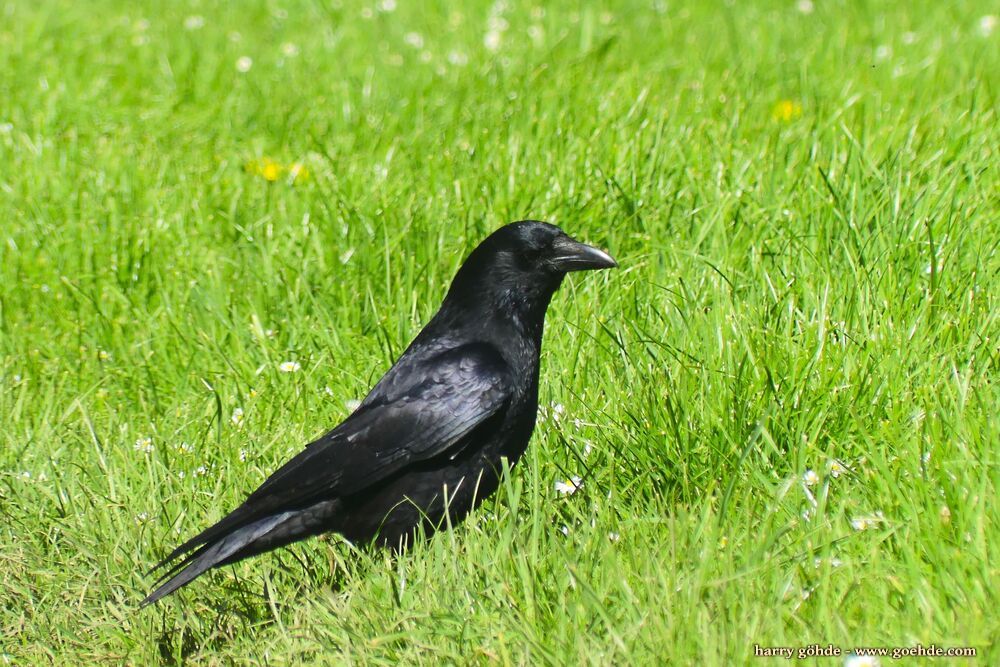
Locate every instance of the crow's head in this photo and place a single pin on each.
(521, 265)
(537, 249)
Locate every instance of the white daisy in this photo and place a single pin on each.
(987, 24)
(569, 486)
(289, 366)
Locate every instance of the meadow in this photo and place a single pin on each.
(776, 424)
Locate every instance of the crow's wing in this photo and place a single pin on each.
(423, 409)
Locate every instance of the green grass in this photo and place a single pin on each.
(806, 210)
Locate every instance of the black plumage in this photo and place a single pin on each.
(429, 438)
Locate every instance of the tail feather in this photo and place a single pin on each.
(208, 556)
(231, 522)
(249, 538)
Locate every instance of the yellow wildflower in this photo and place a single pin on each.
(266, 168)
(272, 171)
(786, 111)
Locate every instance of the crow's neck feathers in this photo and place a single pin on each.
(492, 294)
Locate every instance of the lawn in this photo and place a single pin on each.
(221, 222)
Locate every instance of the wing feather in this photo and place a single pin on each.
(424, 412)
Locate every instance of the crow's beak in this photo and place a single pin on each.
(571, 255)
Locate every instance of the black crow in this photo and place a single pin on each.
(428, 439)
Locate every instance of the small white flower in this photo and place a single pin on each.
(587, 448)
(289, 366)
(414, 39)
(289, 49)
(569, 486)
(926, 457)
(458, 59)
(614, 537)
(860, 523)
(237, 417)
(185, 448)
(987, 24)
(25, 475)
(103, 356)
(855, 660)
(141, 518)
(17, 378)
(945, 514)
(180, 474)
(243, 455)
(810, 478)
(144, 445)
(200, 471)
(804, 6)
(909, 37)
(352, 404)
(492, 40)
(883, 53)
(194, 22)
(497, 24)
(837, 468)
(387, 6)
(243, 64)
(564, 530)
(327, 390)
(6, 128)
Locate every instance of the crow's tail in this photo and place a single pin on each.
(230, 548)
(251, 539)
